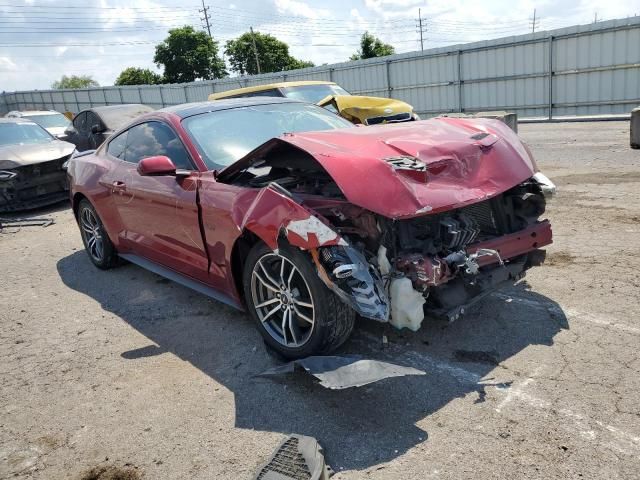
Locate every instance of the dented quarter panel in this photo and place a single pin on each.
(461, 170)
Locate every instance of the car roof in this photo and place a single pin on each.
(114, 116)
(260, 88)
(34, 112)
(189, 109)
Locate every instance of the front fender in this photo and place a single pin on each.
(274, 213)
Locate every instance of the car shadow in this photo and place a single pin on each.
(358, 427)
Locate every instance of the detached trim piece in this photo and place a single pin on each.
(298, 457)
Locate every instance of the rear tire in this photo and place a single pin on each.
(295, 312)
(96, 241)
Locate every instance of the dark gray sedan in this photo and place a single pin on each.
(92, 127)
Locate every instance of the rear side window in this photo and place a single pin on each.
(264, 93)
(274, 92)
(155, 138)
(92, 120)
(80, 122)
(118, 145)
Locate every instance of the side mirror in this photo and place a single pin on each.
(159, 165)
(95, 129)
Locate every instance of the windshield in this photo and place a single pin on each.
(313, 93)
(21, 133)
(49, 121)
(225, 136)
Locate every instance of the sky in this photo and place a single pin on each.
(40, 40)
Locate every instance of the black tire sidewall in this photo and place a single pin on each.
(109, 254)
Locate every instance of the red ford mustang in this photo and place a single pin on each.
(305, 220)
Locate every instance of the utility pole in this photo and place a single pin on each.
(205, 11)
(255, 49)
(534, 22)
(421, 29)
(595, 18)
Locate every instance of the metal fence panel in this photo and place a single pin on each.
(579, 70)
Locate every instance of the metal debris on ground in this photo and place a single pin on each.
(297, 458)
(339, 372)
(25, 222)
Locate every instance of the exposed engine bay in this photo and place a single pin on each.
(398, 269)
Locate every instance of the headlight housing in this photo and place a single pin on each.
(6, 175)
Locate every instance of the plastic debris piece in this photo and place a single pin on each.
(25, 222)
(297, 458)
(337, 373)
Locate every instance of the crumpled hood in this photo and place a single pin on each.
(12, 156)
(363, 108)
(409, 169)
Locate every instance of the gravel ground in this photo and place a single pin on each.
(124, 370)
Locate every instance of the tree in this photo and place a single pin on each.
(371, 46)
(273, 54)
(295, 64)
(138, 76)
(75, 81)
(188, 55)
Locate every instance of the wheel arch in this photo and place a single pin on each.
(239, 252)
(77, 198)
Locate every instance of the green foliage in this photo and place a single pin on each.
(273, 54)
(371, 46)
(295, 64)
(75, 81)
(188, 55)
(138, 76)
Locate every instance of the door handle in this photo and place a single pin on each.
(118, 186)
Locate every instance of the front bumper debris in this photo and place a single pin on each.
(33, 186)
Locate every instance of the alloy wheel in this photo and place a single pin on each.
(92, 234)
(282, 300)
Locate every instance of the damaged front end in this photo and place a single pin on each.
(369, 110)
(346, 271)
(438, 224)
(33, 185)
(434, 264)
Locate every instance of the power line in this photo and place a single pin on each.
(235, 12)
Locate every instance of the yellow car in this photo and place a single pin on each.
(355, 108)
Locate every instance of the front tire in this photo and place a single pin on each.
(96, 242)
(295, 312)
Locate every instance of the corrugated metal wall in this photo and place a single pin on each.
(580, 70)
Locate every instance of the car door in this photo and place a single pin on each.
(77, 134)
(158, 214)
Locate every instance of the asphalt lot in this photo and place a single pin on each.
(125, 369)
